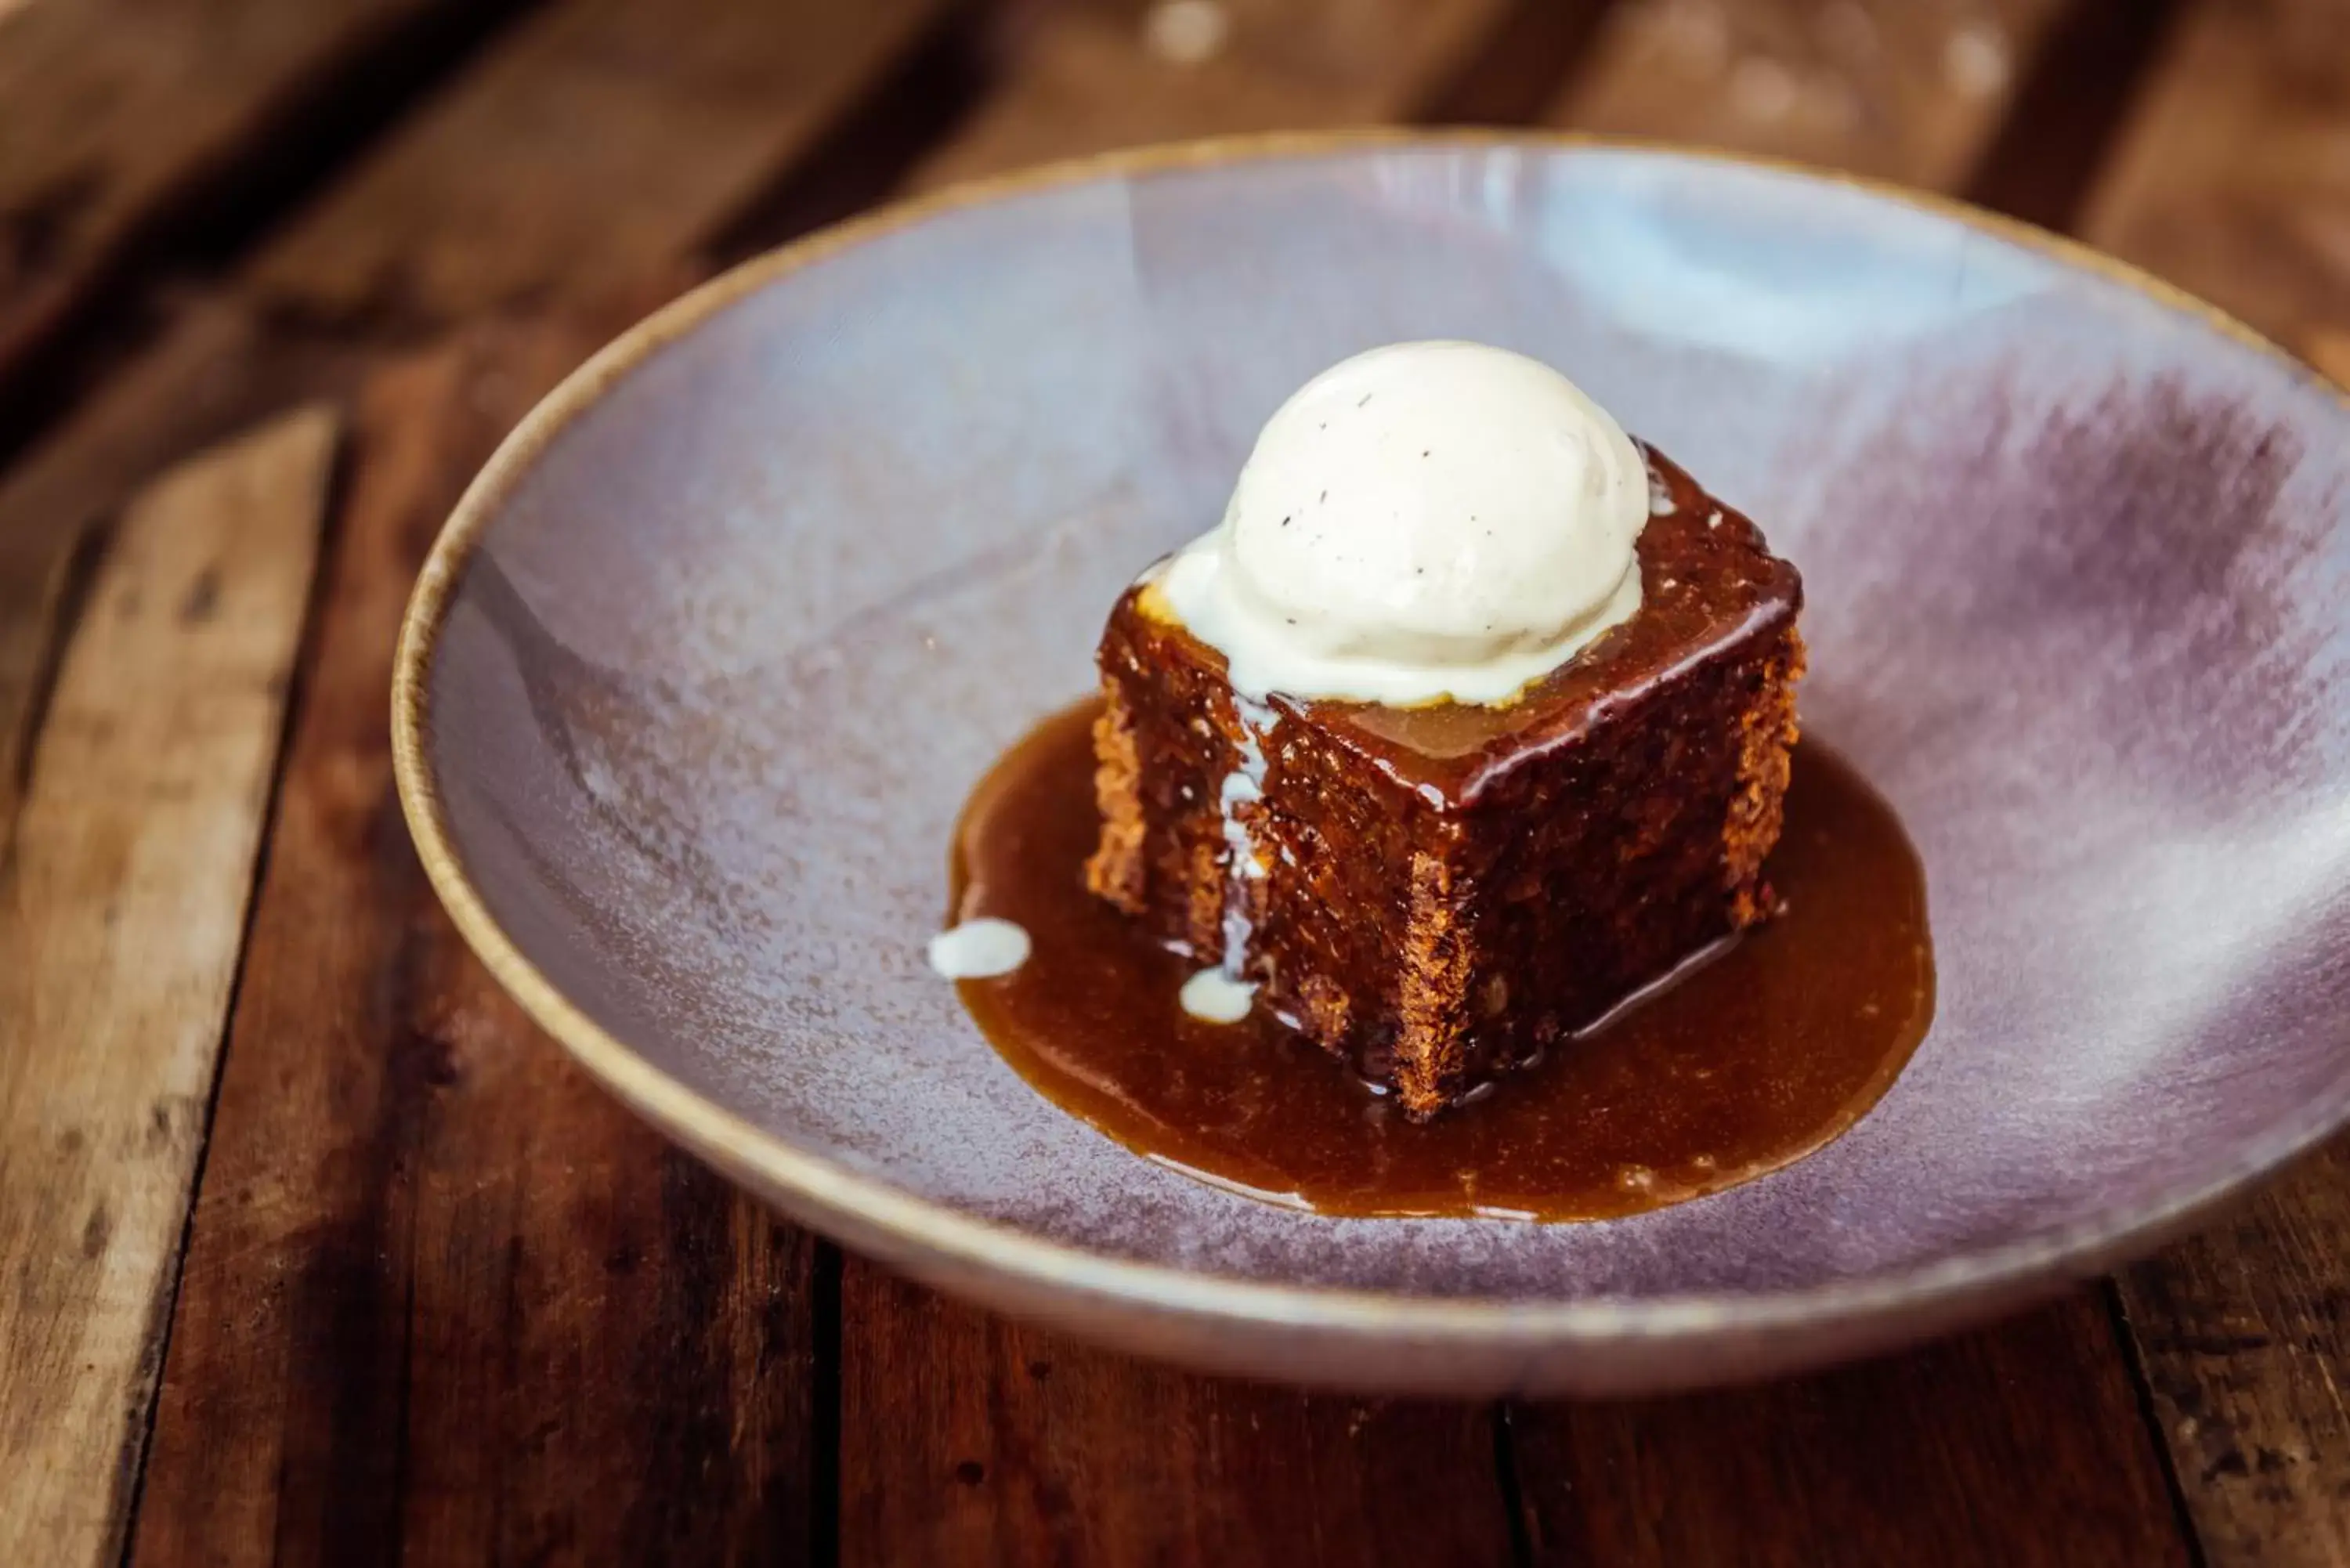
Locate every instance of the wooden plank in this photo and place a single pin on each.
(2231, 180)
(1093, 77)
(119, 113)
(585, 154)
(2006, 1446)
(444, 1298)
(966, 1439)
(2245, 1339)
(1893, 88)
(120, 918)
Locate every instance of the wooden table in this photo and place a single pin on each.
(312, 1251)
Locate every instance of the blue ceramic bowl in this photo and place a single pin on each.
(698, 677)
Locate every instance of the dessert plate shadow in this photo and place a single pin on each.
(697, 678)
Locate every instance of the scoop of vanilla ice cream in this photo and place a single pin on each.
(1423, 520)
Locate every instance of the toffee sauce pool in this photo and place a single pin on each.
(1747, 1058)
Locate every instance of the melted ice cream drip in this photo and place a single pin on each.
(1226, 1000)
(979, 949)
(1211, 997)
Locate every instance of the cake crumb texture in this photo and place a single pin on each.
(1765, 759)
(1116, 870)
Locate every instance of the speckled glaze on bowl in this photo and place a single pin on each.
(696, 682)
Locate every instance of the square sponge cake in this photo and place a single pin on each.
(1439, 893)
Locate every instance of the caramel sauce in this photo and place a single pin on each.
(1751, 1056)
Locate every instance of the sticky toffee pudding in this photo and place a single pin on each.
(1458, 754)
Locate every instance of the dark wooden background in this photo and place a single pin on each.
(312, 1251)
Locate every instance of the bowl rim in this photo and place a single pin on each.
(830, 1192)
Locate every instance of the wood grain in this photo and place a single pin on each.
(120, 111)
(443, 1300)
(209, 376)
(121, 918)
(2010, 1446)
(966, 1439)
(584, 154)
(2232, 179)
(2245, 1337)
(1909, 89)
(584, 158)
(1089, 77)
